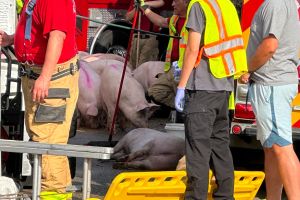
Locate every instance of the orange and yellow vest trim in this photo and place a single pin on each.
(182, 42)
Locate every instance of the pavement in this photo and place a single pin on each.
(103, 173)
(102, 170)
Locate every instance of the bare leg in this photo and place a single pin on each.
(273, 181)
(289, 170)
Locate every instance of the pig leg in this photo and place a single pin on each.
(140, 164)
(120, 156)
(110, 113)
(138, 155)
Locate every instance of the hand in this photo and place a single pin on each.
(40, 89)
(179, 99)
(244, 78)
(4, 39)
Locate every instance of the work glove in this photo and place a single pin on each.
(139, 3)
(179, 99)
(176, 71)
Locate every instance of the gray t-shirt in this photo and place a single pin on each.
(201, 77)
(278, 18)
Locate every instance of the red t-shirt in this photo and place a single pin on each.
(175, 49)
(146, 24)
(48, 15)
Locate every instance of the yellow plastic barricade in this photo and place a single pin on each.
(170, 185)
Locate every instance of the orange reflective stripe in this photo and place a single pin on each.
(182, 46)
(175, 18)
(225, 65)
(199, 57)
(234, 64)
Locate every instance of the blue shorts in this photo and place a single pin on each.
(272, 108)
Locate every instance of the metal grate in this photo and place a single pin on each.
(103, 15)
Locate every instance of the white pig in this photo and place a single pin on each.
(89, 102)
(96, 59)
(146, 73)
(132, 102)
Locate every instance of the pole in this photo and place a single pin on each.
(138, 42)
(123, 75)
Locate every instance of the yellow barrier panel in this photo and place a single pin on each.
(170, 185)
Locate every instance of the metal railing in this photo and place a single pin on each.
(39, 149)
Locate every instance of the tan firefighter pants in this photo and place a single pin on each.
(163, 91)
(55, 169)
(148, 49)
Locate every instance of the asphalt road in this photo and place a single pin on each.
(103, 173)
(102, 170)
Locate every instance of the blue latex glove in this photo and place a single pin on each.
(179, 99)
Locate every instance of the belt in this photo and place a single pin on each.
(24, 70)
(142, 36)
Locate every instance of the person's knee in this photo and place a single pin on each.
(282, 150)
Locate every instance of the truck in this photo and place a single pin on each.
(104, 37)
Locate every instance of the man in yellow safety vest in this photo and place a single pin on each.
(214, 56)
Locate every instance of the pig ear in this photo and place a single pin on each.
(92, 111)
(158, 75)
(151, 109)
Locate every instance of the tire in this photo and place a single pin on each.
(109, 37)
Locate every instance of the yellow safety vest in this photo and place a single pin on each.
(223, 42)
(182, 41)
(231, 102)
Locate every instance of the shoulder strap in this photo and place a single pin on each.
(29, 10)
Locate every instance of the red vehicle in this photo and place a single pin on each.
(99, 37)
(243, 127)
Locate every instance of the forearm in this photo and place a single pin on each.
(156, 19)
(189, 61)
(53, 52)
(258, 59)
(155, 4)
(263, 53)
(129, 15)
(190, 57)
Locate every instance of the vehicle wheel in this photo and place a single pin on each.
(109, 39)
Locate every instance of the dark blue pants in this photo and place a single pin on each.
(207, 144)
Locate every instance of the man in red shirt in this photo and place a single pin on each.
(46, 49)
(164, 89)
(148, 44)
